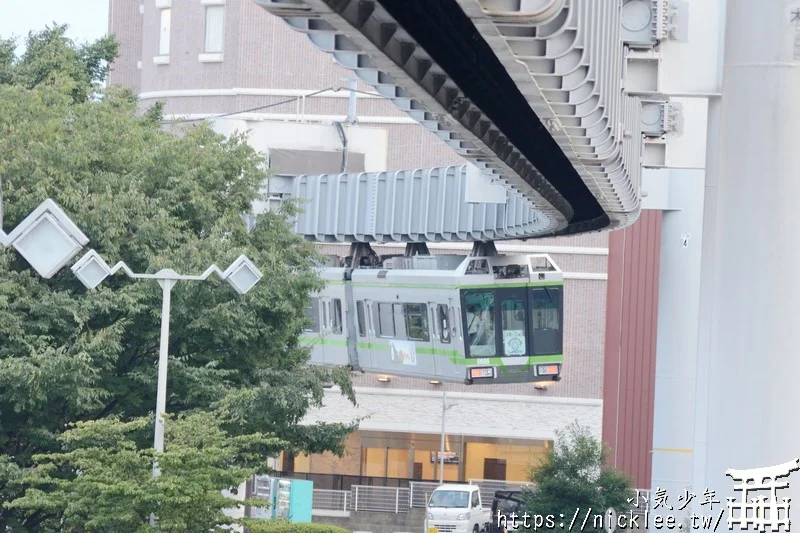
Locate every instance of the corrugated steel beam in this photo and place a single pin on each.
(567, 59)
(420, 205)
(479, 141)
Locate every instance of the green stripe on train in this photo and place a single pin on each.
(307, 340)
(450, 287)
(453, 355)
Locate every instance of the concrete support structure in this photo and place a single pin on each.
(749, 319)
(676, 352)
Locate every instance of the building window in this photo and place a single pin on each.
(214, 29)
(163, 42)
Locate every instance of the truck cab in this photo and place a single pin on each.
(456, 509)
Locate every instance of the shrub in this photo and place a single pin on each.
(281, 526)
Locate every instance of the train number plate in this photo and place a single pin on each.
(483, 361)
(480, 373)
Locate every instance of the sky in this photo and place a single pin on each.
(87, 19)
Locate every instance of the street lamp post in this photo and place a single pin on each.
(91, 269)
(445, 407)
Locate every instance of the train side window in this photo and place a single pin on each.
(336, 316)
(312, 311)
(546, 306)
(416, 318)
(362, 322)
(480, 326)
(512, 312)
(444, 324)
(385, 320)
(325, 310)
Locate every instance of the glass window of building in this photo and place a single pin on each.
(214, 29)
(163, 42)
(397, 463)
(508, 462)
(373, 462)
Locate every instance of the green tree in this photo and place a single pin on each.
(574, 476)
(115, 490)
(51, 59)
(153, 200)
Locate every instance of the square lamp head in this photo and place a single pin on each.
(45, 244)
(242, 274)
(91, 269)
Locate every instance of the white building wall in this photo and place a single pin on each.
(263, 135)
(474, 414)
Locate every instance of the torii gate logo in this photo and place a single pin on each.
(760, 511)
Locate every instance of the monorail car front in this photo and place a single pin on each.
(456, 318)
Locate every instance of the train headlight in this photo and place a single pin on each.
(547, 370)
(481, 372)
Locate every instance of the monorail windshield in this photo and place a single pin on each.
(512, 321)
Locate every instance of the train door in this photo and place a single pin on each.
(312, 333)
(365, 324)
(442, 337)
(512, 322)
(546, 306)
(334, 341)
(419, 338)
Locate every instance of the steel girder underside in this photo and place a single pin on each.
(532, 96)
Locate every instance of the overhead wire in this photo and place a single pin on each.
(267, 106)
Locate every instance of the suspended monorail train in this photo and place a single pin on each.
(456, 318)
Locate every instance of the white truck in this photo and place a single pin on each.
(457, 509)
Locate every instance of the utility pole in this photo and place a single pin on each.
(441, 451)
(351, 102)
(445, 407)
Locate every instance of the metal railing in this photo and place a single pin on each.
(345, 481)
(331, 500)
(402, 499)
(419, 492)
(379, 499)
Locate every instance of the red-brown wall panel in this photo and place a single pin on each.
(630, 346)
